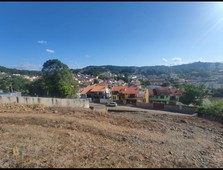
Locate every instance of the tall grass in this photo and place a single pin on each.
(215, 108)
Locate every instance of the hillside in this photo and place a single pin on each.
(16, 71)
(203, 69)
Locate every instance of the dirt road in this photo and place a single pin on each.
(44, 137)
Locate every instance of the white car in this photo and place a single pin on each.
(113, 104)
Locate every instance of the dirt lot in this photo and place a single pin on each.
(35, 136)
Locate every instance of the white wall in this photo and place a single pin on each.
(51, 102)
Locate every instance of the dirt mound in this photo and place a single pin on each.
(37, 108)
(6, 107)
(35, 136)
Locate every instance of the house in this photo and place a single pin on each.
(167, 95)
(135, 82)
(129, 95)
(116, 91)
(125, 94)
(96, 93)
(143, 96)
(121, 82)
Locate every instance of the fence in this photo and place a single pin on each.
(51, 102)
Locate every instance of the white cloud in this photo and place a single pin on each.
(165, 60)
(42, 42)
(210, 59)
(177, 59)
(50, 51)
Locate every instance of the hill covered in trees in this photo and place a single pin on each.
(196, 69)
(203, 69)
(16, 71)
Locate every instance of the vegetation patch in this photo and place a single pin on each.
(214, 109)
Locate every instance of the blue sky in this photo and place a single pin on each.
(110, 33)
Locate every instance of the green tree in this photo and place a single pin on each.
(36, 88)
(193, 94)
(166, 84)
(125, 79)
(145, 82)
(102, 77)
(213, 108)
(218, 92)
(96, 81)
(173, 83)
(6, 84)
(15, 84)
(57, 81)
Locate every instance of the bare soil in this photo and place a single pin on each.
(84, 138)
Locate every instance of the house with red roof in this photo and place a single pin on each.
(116, 91)
(167, 95)
(121, 82)
(125, 94)
(96, 92)
(129, 95)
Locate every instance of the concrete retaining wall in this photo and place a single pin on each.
(8, 99)
(211, 117)
(181, 109)
(189, 109)
(144, 105)
(171, 108)
(51, 102)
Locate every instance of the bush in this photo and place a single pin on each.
(215, 108)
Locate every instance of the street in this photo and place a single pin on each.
(121, 108)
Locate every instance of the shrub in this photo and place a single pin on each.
(215, 108)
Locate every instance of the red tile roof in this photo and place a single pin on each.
(87, 89)
(131, 90)
(98, 89)
(121, 81)
(163, 90)
(93, 89)
(119, 88)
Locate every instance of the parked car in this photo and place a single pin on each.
(113, 104)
